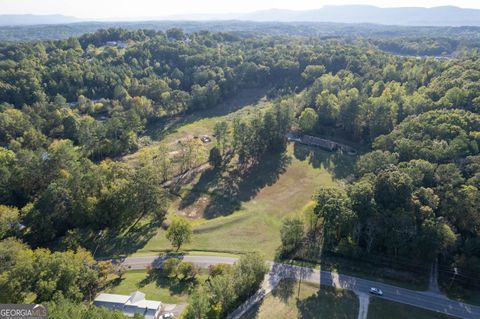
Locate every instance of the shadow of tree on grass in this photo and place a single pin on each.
(207, 180)
(284, 290)
(253, 312)
(227, 190)
(328, 303)
(338, 164)
(118, 244)
(175, 286)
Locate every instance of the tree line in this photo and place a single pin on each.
(70, 108)
(414, 197)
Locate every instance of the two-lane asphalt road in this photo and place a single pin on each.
(422, 299)
(156, 261)
(427, 300)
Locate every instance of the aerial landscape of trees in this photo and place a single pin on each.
(72, 110)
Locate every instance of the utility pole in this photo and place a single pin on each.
(455, 273)
(302, 258)
(100, 233)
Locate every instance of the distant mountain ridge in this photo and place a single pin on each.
(406, 16)
(33, 19)
(411, 16)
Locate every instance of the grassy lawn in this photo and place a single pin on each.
(250, 219)
(154, 287)
(245, 210)
(235, 211)
(313, 302)
(380, 309)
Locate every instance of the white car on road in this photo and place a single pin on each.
(167, 315)
(376, 291)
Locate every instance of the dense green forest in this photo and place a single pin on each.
(71, 108)
(404, 40)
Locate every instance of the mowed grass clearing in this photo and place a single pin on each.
(250, 220)
(163, 289)
(380, 309)
(307, 301)
(255, 225)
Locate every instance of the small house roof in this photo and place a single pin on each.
(149, 304)
(136, 297)
(112, 298)
(131, 303)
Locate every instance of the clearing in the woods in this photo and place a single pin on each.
(234, 211)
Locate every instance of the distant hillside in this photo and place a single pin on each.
(409, 16)
(31, 19)
(405, 16)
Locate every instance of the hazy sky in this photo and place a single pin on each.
(158, 8)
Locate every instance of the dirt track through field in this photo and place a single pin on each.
(364, 301)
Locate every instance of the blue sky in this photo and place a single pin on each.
(159, 8)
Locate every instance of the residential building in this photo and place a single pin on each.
(131, 305)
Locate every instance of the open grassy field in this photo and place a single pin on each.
(289, 300)
(251, 219)
(234, 211)
(155, 287)
(380, 309)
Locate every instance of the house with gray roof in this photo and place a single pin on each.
(131, 305)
